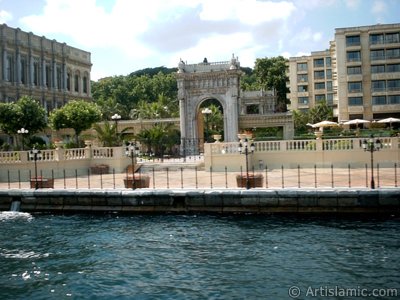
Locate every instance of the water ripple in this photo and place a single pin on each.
(192, 257)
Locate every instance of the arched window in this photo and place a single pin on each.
(76, 82)
(69, 80)
(85, 83)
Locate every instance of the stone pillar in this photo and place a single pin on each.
(31, 70)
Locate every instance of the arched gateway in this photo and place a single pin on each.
(203, 81)
(221, 81)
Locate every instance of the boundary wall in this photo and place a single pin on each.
(257, 201)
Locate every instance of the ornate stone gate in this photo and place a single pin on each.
(221, 81)
(203, 81)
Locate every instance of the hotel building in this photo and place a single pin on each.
(51, 72)
(359, 76)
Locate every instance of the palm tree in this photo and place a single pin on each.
(108, 134)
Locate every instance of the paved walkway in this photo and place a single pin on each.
(276, 178)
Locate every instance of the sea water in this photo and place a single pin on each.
(197, 257)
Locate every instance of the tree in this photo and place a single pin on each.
(316, 114)
(78, 115)
(108, 134)
(25, 113)
(271, 74)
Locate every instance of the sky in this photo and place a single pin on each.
(124, 36)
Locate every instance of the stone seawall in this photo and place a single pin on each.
(258, 201)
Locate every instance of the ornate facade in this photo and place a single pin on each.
(221, 81)
(51, 72)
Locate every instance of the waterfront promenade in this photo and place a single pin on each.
(193, 178)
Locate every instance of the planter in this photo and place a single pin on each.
(99, 169)
(255, 180)
(42, 183)
(141, 181)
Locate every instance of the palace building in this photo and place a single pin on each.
(51, 72)
(359, 75)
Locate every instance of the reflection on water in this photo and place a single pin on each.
(192, 257)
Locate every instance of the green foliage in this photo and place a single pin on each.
(271, 74)
(159, 138)
(154, 71)
(108, 134)
(162, 108)
(77, 114)
(26, 113)
(122, 94)
(314, 115)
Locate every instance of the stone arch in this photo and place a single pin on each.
(198, 82)
(199, 115)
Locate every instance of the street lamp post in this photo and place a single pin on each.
(206, 112)
(34, 155)
(372, 145)
(116, 118)
(244, 149)
(131, 151)
(22, 131)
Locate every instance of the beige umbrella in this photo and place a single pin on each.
(356, 122)
(390, 121)
(324, 124)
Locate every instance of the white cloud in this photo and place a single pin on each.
(250, 12)
(353, 4)
(5, 16)
(379, 7)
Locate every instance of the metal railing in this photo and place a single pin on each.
(180, 177)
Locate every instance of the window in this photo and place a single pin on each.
(393, 85)
(319, 85)
(329, 99)
(302, 67)
(69, 81)
(377, 54)
(36, 74)
(319, 74)
(379, 100)
(378, 85)
(376, 39)
(353, 56)
(252, 109)
(303, 100)
(394, 99)
(328, 62)
(355, 87)
(393, 68)
(318, 63)
(85, 84)
(353, 40)
(59, 82)
(393, 53)
(392, 38)
(320, 98)
(48, 77)
(353, 70)
(76, 81)
(302, 78)
(329, 86)
(355, 101)
(378, 69)
(329, 74)
(23, 70)
(302, 88)
(10, 68)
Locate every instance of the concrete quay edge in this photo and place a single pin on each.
(257, 201)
